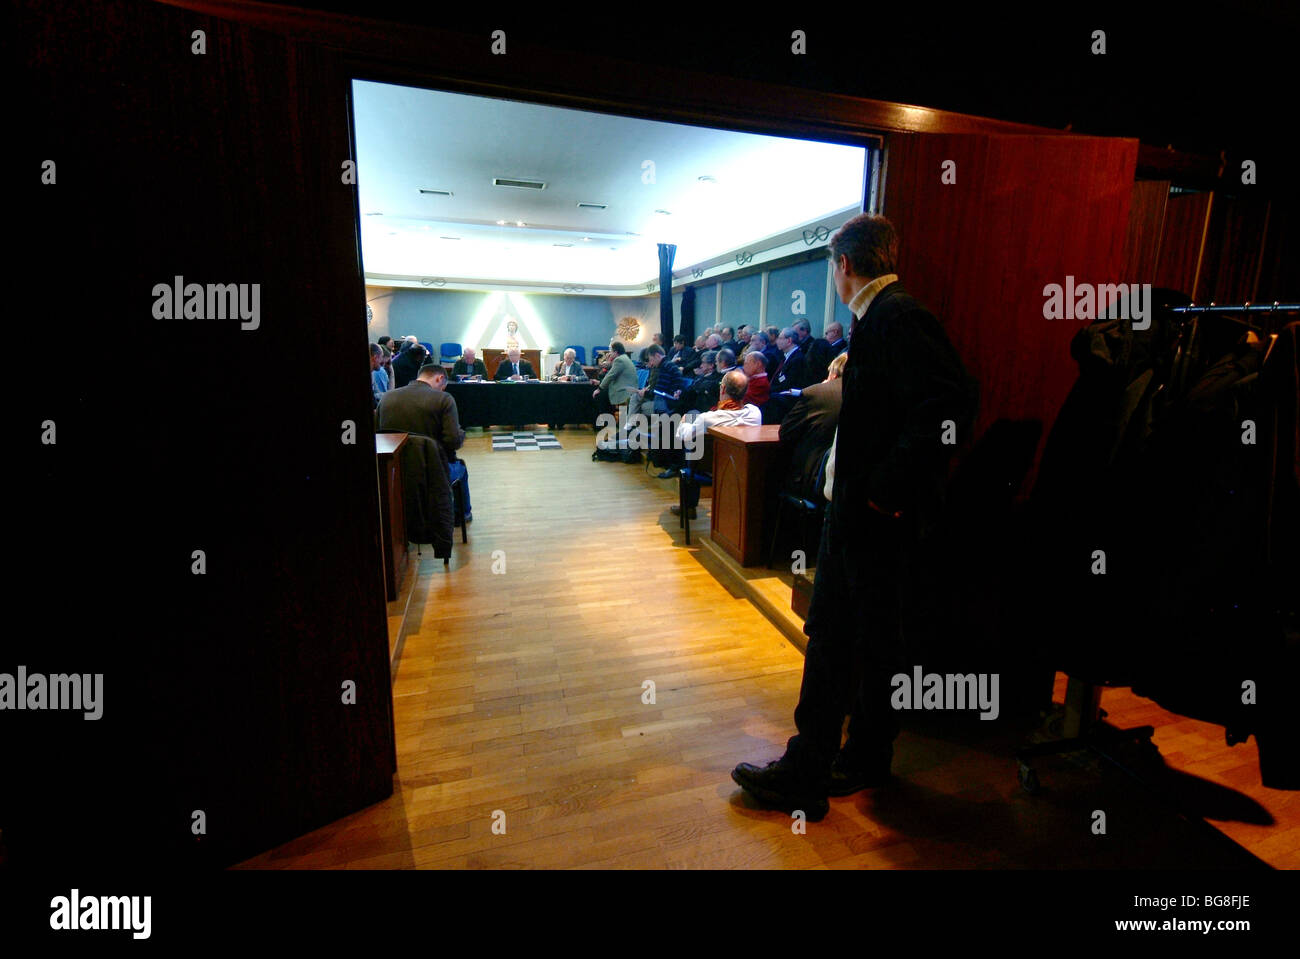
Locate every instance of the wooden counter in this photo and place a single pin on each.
(392, 516)
(745, 483)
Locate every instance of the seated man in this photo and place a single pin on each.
(469, 365)
(378, 375)
(682, 356)
(619, 384)
(569, 370)
(756, 373)
(513, 368)
(731, 411)
(703, 393)
(664, 378)
(423, 407)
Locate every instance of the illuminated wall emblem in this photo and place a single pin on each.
(629, 328)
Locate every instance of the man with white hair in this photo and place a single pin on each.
(469, 365)
(569, 370)
(513, 368)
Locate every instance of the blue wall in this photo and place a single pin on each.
(741, 300)
(781, 284)
(545, 320)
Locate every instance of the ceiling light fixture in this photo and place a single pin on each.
(519, 184)
(436, 192)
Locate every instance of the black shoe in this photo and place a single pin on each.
(667, 474)
(849, 776)
(778, 786)
(677, 511)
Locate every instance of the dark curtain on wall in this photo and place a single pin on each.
(667, 251)
(688, 317)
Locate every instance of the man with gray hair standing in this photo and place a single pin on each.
(903, 383)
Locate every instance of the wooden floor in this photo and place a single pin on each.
(518, 705)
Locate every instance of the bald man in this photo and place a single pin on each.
(469, 365)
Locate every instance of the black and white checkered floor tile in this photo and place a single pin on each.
(525, 441)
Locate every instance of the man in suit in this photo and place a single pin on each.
(513, 368)
(791, 374)
(423, 407)
(807, 431)
(406, 365)
(469, 365)
(762, 343)
(803, 336)
(702, 394)
(825, 349)
(903, 381)
(728, 341)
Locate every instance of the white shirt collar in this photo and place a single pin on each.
(862, 300)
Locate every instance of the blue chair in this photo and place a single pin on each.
(642, 377)
(581, 353)
(449, 352)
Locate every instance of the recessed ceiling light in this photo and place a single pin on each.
(501, 222)
(374, 214)
(592, 206)
(708, 179)
(561, 244)
(449, 238)
(664, 212)
(520, 184)
(586, 239)
(520, 223)
(436, 192)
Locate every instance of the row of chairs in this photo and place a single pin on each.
(450, 352)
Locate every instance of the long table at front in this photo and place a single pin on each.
(508, 403)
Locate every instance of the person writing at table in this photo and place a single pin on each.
(569, 370)
(469, 365)
(513, 368)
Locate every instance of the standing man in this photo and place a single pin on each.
(902, 382)
(619, 384)
(407, 365)
(423, 407)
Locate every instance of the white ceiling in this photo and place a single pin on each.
(410, 139)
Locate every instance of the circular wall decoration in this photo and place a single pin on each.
(629, 328)
(370, 314)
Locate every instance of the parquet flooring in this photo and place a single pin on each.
(518, 701)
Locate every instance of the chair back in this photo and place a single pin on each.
(449, 351)
(579, 351)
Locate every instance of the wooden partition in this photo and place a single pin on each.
(1023, 212)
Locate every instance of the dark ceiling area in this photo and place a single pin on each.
(1203, 80)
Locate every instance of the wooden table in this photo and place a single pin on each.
(392, 516)
(745, 483)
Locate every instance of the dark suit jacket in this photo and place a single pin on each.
(902, 381)
(506, 370)
(807, 431)
(820, 354)
(461, 368)
(419, 408)
(793, 374)
(406, 366)
(773, 357)
(702, 394)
